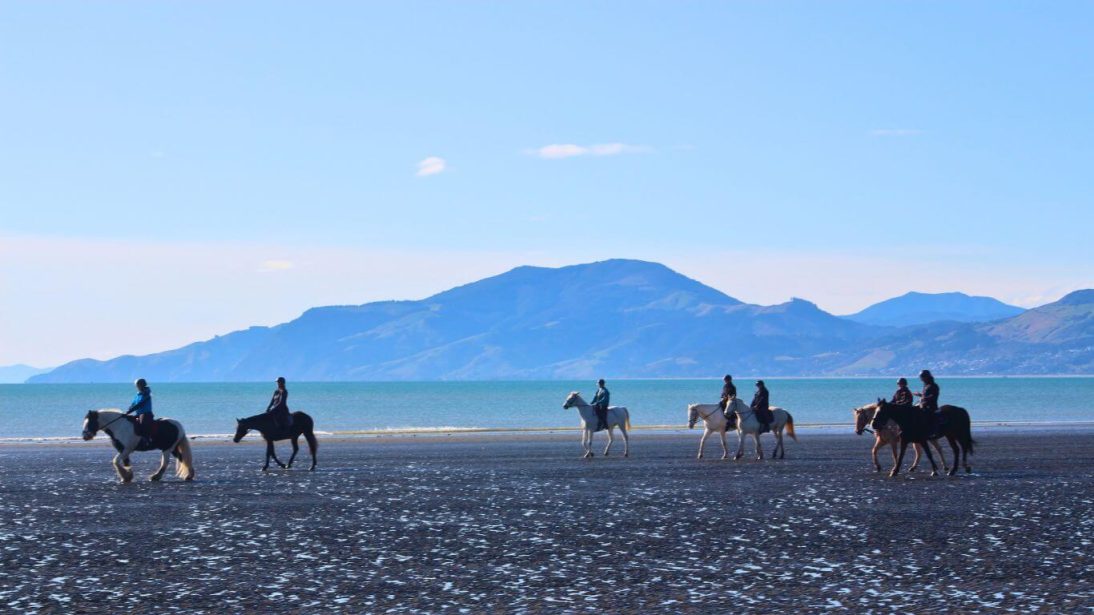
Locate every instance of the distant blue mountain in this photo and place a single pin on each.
(18, 374)
(617, 318)
(922, 308)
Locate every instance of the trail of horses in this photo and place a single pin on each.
(521, 524)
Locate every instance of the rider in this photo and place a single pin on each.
(929, 399)
(760, 407)
(729, 393)
(903, 395)
(929, 396)
(142, 408)
(600, 404)
(279, 405)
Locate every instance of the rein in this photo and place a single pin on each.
(118, 418)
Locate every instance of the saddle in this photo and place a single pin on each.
(159, 427)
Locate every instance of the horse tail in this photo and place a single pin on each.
(184, 462)
(966, 436)
(627, 419)
(790, 427)
(307, 429)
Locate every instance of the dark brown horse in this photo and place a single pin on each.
(917, 425)
(302, 424)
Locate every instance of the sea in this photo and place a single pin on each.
(56, 411)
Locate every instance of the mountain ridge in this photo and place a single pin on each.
(616, 318)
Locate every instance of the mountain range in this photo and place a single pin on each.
(622, 318)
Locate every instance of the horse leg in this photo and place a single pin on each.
(915, 462)
(165, 456)
(779, 452)
(587, 444)
(899, 459)
(956, 456)
(930, 458)
(725, 445)
(273, 453)
(740, 445)
(611, 438)
(295, 449)
(626, 441)
(873, 454)
(759, 446)
(124, 473)
(702, 442)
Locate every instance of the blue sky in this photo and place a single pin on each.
(169, 171)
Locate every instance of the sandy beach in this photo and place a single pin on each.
(518, 523)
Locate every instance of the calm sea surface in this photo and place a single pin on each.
(51, 410)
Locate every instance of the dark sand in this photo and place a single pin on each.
(520, 524)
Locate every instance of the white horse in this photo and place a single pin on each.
(170, 439)
(618, 416)
(890, 434)
(747, 423)
(714, 421)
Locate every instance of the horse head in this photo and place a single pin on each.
(91, 424)
(881, 417)
(241, 431)
(693, 415)
(863, 416)
(571, 400)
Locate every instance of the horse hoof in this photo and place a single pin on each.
(892, 474)
(154, 478)
(913, 469)
(968, 470)
(934, 472)
(877, 468)
(626, 454)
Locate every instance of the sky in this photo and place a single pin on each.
(171, 171)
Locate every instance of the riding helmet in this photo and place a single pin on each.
(902, 382)
(140, 383)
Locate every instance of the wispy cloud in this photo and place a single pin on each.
(557, 151)
(275, 265)
(895, 132)
(431, 166)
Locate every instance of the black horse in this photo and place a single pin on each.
(916, 427)
(271, 432)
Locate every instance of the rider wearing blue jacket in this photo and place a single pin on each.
(142, 408)
(600, 404)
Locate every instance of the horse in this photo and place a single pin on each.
(747, 423)
(889, 434)
(168, 437)
(271, 432)
(955, 426)
(618, 416)
(715, 420)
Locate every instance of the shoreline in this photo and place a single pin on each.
(503, 433)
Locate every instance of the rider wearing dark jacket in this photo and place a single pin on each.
(142, 408)
(279, 405)
(929, 397)
(600, 404)
(729, 391)
(903, 395)
(761, 407)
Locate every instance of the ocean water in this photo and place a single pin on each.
(57, 410)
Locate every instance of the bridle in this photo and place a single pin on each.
(99, 428)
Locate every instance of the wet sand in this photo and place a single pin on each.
(518, 523)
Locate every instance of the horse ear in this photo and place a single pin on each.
(238, 420)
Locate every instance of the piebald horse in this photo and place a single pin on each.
(169, 438)
(618, 416)
(890, 434)
(748, 424)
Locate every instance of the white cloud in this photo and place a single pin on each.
(895, 132)
(275, 265)
(557, 151)
(431, 166)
